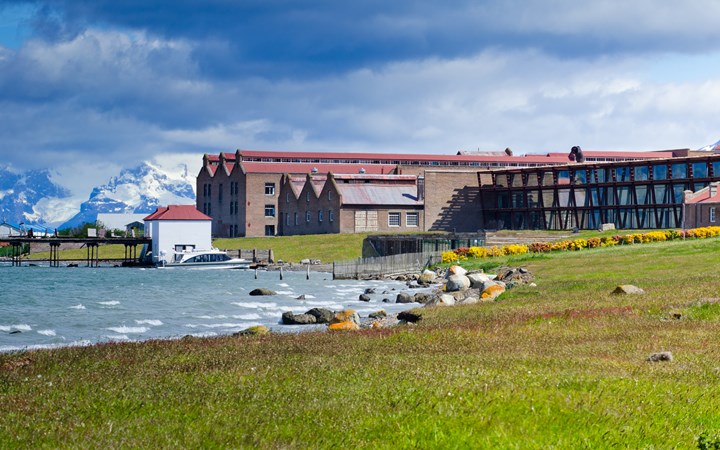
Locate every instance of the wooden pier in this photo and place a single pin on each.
(92, 244)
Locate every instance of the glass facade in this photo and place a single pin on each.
(632, 194)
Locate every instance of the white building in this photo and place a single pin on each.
(176, 228)
(9, 230)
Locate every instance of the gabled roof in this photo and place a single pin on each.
(177, 212)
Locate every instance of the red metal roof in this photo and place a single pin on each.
(704, 197)
(271, 167)
(177, 212)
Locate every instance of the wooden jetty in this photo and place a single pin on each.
(91, 243)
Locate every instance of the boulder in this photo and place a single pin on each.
(262, 291)
(257, 330)
(346, 325)
(364, 298)
(517, 276)
(455, 270)
(410, 316)
(627, 289)
(378, 314)
(345, 316)
(322, 315)
(478, 279)
(427, 277)
(422, 297)
(470, 300)
(457, 283)
(492, 292)
(288, 318)
(404, 297)
(369, 291)
(300, 297)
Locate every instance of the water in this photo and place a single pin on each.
(44, 307)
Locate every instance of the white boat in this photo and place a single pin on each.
(213, 258)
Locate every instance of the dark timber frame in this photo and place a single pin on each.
(630, 194)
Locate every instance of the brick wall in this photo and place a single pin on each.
(452, 201)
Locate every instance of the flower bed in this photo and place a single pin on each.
(465, 253)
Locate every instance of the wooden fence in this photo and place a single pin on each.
(384, 265)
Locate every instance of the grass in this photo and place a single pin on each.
(560, 365)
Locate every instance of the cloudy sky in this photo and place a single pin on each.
(95, 85)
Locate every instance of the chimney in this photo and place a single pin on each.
(713, 189)
(420, 188)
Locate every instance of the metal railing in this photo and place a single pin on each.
(385, 265)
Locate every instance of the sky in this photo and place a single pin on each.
(90, 86)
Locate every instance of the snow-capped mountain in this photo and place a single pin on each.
(711, 148)
(21, 193)
(139, 189)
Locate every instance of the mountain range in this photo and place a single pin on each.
(34, 198)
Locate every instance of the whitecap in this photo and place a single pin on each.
(219, 316)
(18, 327)
(247, 316)
(79, 306)
(124, 329)
(204, 334)
(155, 323)
(47, 332)
(255, 304)
(220, 325)
(109, 303)
(285, 293)
(284, 285)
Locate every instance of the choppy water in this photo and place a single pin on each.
(43, 307)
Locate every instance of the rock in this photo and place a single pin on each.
(478, 279)
(627, 289)
(422, 297)
(457, 283)
(427, 277)
(455, 270)
(15, 332)
(262, 291)
(492, 292)
(369, 291)
(470, 300)
(378, 314)
(410, 316)
(322, 315)
(288, 318)
(305, 261)
(346, 325)
(661, 356)
(404, 297)
(300, 297)
(386, 300)
(345, 316)
(364, 298)
(257, 330)
(442, 300)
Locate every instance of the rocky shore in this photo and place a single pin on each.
(443, 287)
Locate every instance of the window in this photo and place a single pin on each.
(329, 195)
(394, 219)
(307, 216)
(287, 219)
(296, 218)
(269, 210)
(307, 196)
(220, 191)
(331, 215)
(269, 188)
(712, 214)
(287, 197)
(411, 219)
(232, 208)
(320, 216)
(269, 230)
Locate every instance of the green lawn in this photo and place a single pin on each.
(560, 365)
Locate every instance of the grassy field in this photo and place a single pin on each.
(560, 365)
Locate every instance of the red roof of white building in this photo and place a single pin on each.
(177, 212)
(296, 168)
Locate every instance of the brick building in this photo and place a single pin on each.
(700, 208)
(351, 203)
(241, 190)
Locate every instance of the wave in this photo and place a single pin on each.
(19, 327)
(155, 323)
(255, 304)
(124, 329)
(47, 332)
(109, 303)
(79, 306)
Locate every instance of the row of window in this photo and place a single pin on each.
(672, 171)
(308, 217)
(411, 219)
